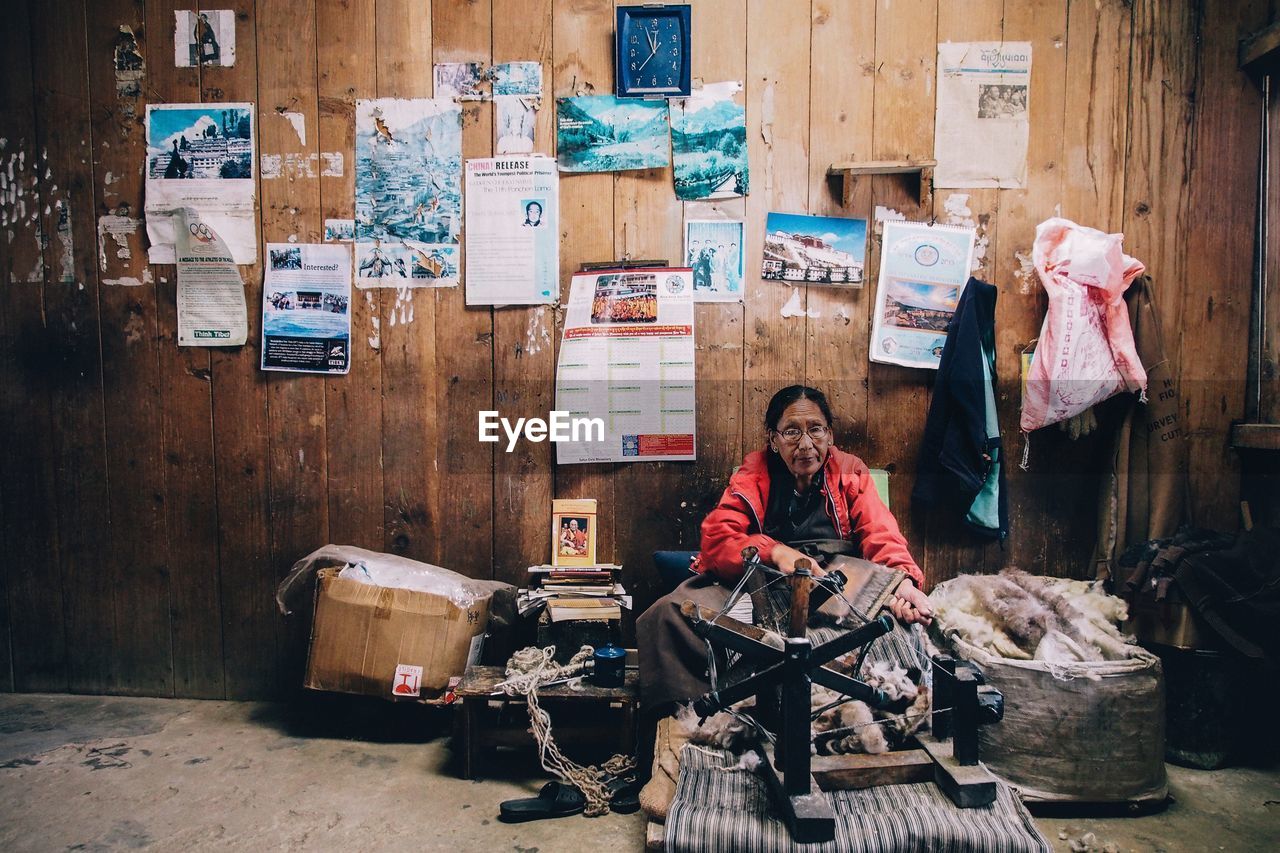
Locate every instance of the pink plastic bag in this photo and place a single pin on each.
(1086, 351)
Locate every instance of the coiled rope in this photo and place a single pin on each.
(529, 669)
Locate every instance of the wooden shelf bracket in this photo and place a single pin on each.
(849, 172)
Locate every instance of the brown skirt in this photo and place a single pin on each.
(673, 659)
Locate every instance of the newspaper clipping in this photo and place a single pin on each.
(923, 269)
(211, 305)
(627, 358)
(306, 308)
(512, 227)
(200, 156)
(982, 125)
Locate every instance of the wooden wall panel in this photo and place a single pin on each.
(842, 100)
(171, 488)
(583, 64)
(902, 129)
(298, 441)
(523, 352)
(74, 370)
(410, 407)
(243, 429)
(186, 418)
(33, 577)
(778, 93)
(951, 549)
(345, 40)
(138, 559)
(719, 42)
(1216, 298)
(1021, 303)
(463, 32)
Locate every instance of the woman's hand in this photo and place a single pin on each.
(784, 559)
(910, 604)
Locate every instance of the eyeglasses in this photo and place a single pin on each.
(791, 435)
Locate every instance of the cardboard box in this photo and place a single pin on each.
(394, 643)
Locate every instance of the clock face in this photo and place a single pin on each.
(653, 51)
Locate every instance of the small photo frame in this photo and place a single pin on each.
(573, 532)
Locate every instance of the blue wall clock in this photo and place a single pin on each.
(652, 51)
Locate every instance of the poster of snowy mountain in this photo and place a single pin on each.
(409, 180)
(601, 133)
(709, 143)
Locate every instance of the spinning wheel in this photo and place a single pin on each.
(782, 677)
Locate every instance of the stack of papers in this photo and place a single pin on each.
(592, 593)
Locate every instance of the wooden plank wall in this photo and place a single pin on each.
(151, 498)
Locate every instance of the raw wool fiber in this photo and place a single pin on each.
(721, 729)
(857, 727)
(1025, 617)
(846, 728)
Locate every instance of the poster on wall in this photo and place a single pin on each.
(714, 250)
(306, 308)
(408, 186)
(709, 143)
(210, 292)
(982, 120)
(923, 270)
(601, 133)
(513, 250)
(627, 361)
(814, 249)
(201, 156)
(206, 37)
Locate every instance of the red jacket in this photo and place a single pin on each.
(853, 506)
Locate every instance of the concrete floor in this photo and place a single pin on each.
(102, 773)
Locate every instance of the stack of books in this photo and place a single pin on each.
(582, 593)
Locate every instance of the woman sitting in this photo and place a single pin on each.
(799, 488)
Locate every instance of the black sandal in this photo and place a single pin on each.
(625, 796)
(556, 799)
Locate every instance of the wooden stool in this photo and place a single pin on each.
(484, 707)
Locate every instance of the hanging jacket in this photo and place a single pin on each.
(852, 503)
(962, 465)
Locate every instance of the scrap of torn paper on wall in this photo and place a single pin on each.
(517, 94)
(982, 126)
(709, 143)
(129, 64)
(207, 37)
(601, 133)
(408, 192)
(517, 78)
(461, 81)
(339, 230)
(517, 120)
(200, 156)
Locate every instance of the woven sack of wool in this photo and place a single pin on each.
(1084, 716)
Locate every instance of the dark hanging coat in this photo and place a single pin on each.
(961, 448)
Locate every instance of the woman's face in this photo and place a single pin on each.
(805, 456)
